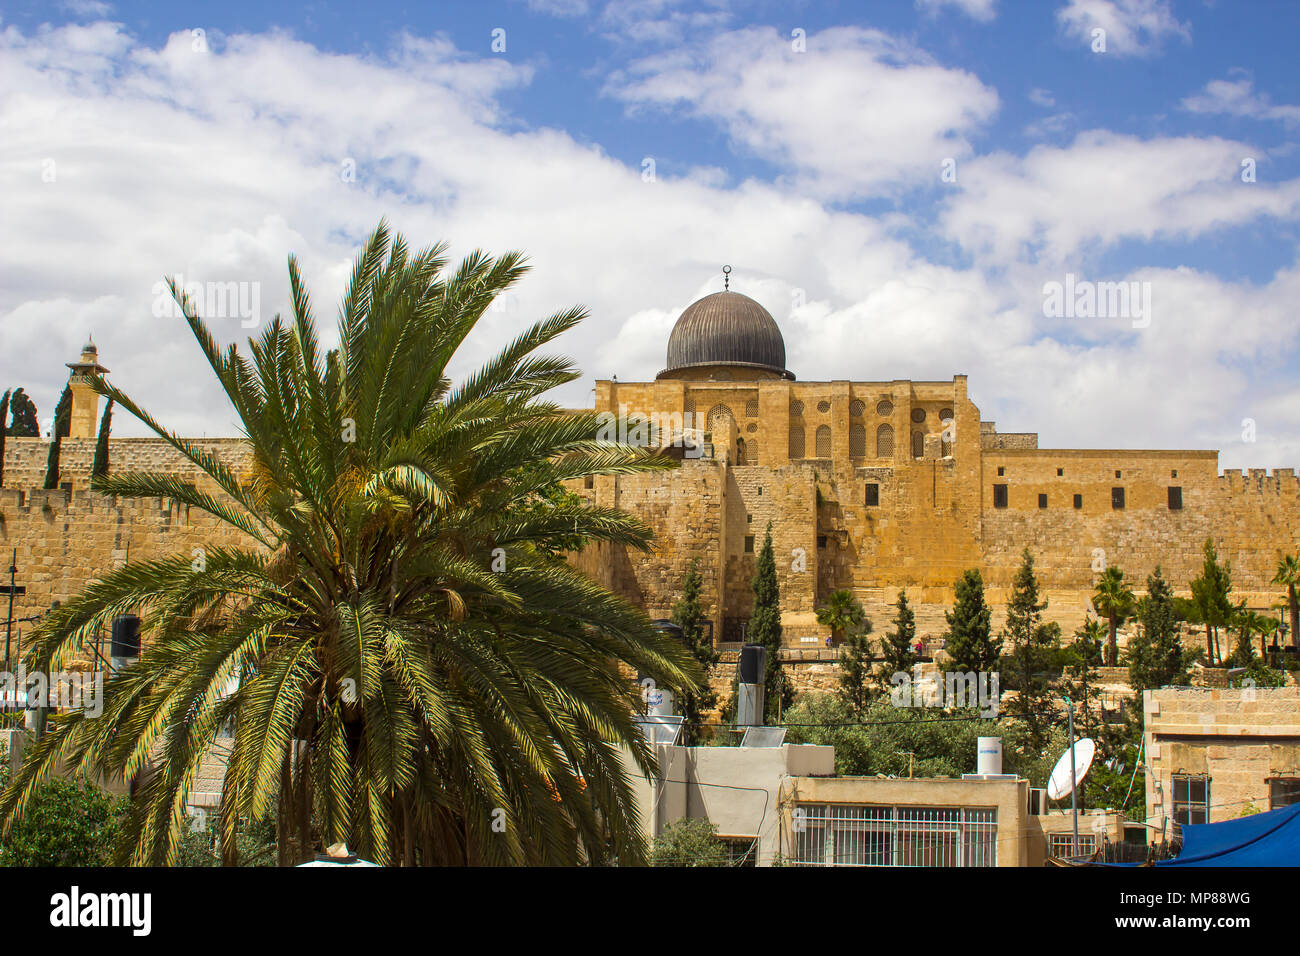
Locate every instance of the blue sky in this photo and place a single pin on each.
(801, 142)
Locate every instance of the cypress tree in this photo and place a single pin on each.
(899, 644)
(1210, 594)
(765, 629)
(4, 427)
(1031, 645)
(100, 466)
(688, 614)
(1155, 656)
(24, 423)
(969, 642)
(62, 425)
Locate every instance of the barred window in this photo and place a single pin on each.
(823, 407)
(796, 409)
(1061, 845)
(824, 441)
(751, 454)
(751, 408)
(918, 444)
(751, 428)
(945, 414)
(857, 408)
(1191, 798)
(845, 835)
(885, 408)
(885, 441)
(858, 440)
(796, 441)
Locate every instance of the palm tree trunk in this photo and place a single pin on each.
(1112, 653)
(284, 813)
(1294, 606)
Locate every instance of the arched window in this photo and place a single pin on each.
(720, 419)
(885, 441)
(857, 408)
(796, 441)
(751, 408)
(857, 441)
(740, 452)
(885, 409)
(796, 408)
(823, 441)
(751, 452)
(918, 444)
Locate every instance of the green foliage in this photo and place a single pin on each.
(689, 841)
(1081, 658)
(62, 425)
(23, 410)
(1032, 654)
(841, 613)
(4, 419)
(255, 844)
(399, 605)
(879, 739)
(1211, 598)
(899, 645)
(100, 465)
(66, 823)
(765, 629)
(1288, 573)
(1113, 599)
(688, 614)
(1155, 654)
(969, 643)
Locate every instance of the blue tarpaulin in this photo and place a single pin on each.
(1263, 839)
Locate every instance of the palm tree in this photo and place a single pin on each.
(1288, 573)
(1113, 599)
(419, 673)
(841, 613)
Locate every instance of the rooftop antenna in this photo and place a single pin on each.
(726, 278)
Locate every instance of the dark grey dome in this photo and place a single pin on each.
(727, 328)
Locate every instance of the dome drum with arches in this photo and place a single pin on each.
(726, 329)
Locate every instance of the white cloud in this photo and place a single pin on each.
(982, 10)
(1056, 203)
(1238, 98)
(1133, 27)
(216, 166)
(802, 110)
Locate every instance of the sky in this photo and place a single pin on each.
(904, 185)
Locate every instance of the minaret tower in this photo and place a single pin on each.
(85, 400)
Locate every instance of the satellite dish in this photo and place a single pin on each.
(1059, 785)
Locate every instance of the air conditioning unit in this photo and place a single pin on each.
(1037, 801)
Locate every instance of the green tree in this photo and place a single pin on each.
(4, 420)
(689, 841)
(688, 614)
(969, 642)
(396, 608)
(65, 823)
(1288, 573)
(841, 613)
(1113, 599)
(23, 410)
(1032, 645)
(201, 844)
(100, 465)
(1155, 653)
(1210, 596)
(899, 645)
(765, 629)
(62, 426)
(1081, 659)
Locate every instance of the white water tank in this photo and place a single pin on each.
(988, 755)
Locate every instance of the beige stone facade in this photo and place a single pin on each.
(1216, 752)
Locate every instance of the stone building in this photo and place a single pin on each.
(871, 486)
(875, 486)
(1214, 753)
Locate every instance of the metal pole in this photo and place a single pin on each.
(1074, 783)
(9, 626)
